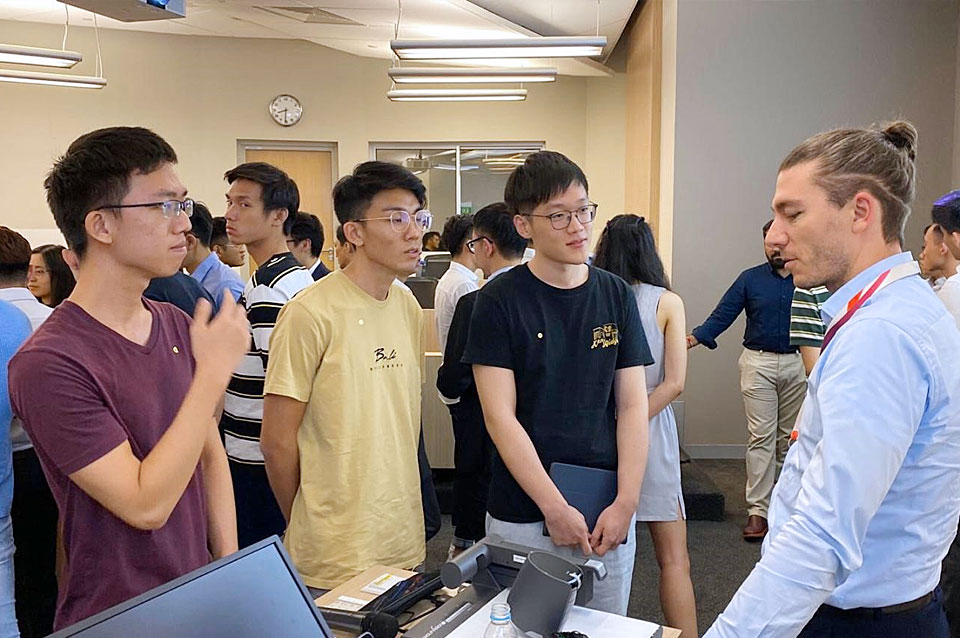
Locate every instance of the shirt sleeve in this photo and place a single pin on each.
(78, 427)
(731, 305)
(489, 341)
(263, 307)
(454, 376)
(806, 325)
(871, 401)
(633, 349)
(297, 346)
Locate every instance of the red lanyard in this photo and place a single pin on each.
(854, 305)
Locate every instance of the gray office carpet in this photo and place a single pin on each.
(719, 557)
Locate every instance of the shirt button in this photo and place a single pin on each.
(539, 335)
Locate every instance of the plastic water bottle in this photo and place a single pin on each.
(500, 624)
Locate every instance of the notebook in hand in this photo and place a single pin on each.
(588, 489)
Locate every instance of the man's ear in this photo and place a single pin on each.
(100, 226)
(280, 215)
(522, 224)
(352, 231)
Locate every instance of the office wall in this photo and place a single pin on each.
(753, 80)
(204, 93)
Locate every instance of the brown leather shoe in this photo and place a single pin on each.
(756, 529)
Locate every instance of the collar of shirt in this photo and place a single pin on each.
(314, 266)
(205, 266)
(16, 294)
(837, 303)
(497, 273)
(465, 271)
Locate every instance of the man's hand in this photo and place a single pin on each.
(219, 343)
(692, 341)
(612, 527)
(568, 528)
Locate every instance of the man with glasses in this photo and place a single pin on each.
(233, 255)
(118, 393)
(261, 204)
(496, 248)
(773, 380)
(341, 418)
(558, 352)
(202, 263)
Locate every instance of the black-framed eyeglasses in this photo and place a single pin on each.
(561, 219)
(472, 244)
(400, 219)
(170, 208)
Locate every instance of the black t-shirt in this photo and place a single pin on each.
(564, 347)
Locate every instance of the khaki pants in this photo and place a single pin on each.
(773, 386)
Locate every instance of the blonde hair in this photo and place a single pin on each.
(879, 160)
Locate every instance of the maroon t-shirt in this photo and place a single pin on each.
(82, 390)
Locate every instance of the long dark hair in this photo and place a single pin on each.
(627, 248)
(61, 277)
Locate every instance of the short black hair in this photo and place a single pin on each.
(495, 222)
(352, 194)
(14, 255)
(307, 226)
(277, 189)
(543, 176)
(946, 212)
(201, 223)
(341, 237)
(456, 230)
(218, 232)
(95, 173)
(766, 228)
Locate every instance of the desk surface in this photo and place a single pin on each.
(358, 591)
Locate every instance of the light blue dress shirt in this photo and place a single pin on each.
(215, 277)
(869, 495)
(15, 328)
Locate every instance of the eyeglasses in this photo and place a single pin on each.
(561, 219)
(170, 208)
(472, 244)
(400, 219)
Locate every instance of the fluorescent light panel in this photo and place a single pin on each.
(457, 95)
(545, 47)
(16, 54)
(471, 75)
(52, 79)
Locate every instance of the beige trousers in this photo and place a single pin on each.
(773, 386)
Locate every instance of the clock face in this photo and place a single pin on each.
(286, 110)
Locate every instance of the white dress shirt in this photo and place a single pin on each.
(867, 501)
(37, 313)
(455, 283)
(949, 294)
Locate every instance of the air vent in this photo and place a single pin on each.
(417, 163)
(309, 15)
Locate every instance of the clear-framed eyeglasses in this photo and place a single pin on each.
(170, 208)
(561, 219)
(400, 219)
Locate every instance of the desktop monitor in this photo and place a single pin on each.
(253, 593)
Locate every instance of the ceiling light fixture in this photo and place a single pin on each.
(457, 95)
(471, 75)
(16, 54)
(541, 47)
(52, 79)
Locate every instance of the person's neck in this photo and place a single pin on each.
(373, 278)
(949, 268)
(558, 274)
(122, 309)
(202, 253)
(866, 257)
(266, 248)
(498, 263)
(463, 260)
(7, 283)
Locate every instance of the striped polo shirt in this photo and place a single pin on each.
(806, 326)
(271, 286)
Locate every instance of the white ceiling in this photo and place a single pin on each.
(365, 27)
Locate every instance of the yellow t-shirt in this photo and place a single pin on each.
(355, 361)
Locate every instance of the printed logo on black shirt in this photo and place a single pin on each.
(605, 336)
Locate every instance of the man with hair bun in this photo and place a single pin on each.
(867, 504)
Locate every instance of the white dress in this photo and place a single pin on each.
(660, 495)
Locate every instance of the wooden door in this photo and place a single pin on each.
(313, 173)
